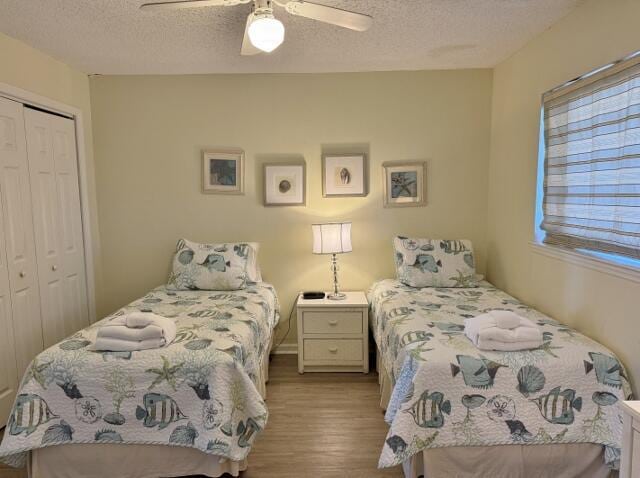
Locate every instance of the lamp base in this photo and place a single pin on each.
(337, 296)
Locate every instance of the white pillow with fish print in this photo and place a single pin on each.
(435, 262)
(209, 266)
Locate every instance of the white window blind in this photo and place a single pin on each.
(592, 162)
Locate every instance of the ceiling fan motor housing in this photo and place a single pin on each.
(261, 7)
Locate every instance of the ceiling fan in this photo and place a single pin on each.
(263, 32)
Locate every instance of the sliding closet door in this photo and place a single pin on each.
(57, 220)
(8, 367)
(18, 234)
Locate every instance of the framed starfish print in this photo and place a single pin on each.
(404, 183)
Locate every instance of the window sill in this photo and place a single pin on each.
(585, 260)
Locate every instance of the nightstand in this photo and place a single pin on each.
(630, 459)
(333, 335)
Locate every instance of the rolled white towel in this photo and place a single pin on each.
(116, 345)
(505, 319)
(474, 325)
(143, 319)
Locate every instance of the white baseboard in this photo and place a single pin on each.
(286, 349)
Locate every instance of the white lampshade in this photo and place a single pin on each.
(332, 238)
(266, 32)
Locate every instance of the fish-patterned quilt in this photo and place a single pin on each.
(199, 392)
(449, 393)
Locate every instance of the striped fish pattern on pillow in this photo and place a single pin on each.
(435, 262)
(209, 266)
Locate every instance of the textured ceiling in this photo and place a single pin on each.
(115, 37)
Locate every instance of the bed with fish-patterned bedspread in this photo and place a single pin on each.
(449, 393)
(201, 391)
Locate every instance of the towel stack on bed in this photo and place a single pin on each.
(503, 330)
(135, 331)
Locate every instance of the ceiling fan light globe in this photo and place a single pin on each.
(266, 33)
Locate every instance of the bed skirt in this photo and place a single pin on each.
(139, 461)
(500, 461)
(135, 461)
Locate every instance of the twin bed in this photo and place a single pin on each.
(454, 410)
(193, 407)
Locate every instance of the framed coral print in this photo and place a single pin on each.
(223, 171)
(344, 175)
(404, 183)
(284, 184)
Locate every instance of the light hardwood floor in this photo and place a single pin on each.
(321, 425)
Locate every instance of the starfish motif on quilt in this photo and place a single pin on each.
(36, 372)
(463, 280)
(548, 348)
(422, 443)
(417, 352)
(166, 373)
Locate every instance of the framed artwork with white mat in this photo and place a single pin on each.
(344, 175)
(285, 184)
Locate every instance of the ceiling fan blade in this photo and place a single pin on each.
(247, 47)
(332, 15)
(176, 5)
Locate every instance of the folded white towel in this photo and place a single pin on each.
(503, 330)
(122, 332)
(508, 346)
(135, 331)
(519, 334)
(116, 345)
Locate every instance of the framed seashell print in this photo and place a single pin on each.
(404, 183)
(223, 171)
(285, 184)
(344, 175)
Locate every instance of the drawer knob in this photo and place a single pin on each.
(333, 322)
(54, 268)
(333, 350)
(22, 274)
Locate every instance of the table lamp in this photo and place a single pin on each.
(332, 238)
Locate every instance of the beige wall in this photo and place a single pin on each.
(29, 69)
(149, 132)
(599, 305)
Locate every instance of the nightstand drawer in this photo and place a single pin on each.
(333, 323)
(329, 350)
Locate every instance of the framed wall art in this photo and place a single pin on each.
(404, 183)
(344, 175)
(285, 184)
(223, 171)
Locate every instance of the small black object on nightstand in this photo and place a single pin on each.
(313, 295)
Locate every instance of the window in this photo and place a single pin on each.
(589, 177)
